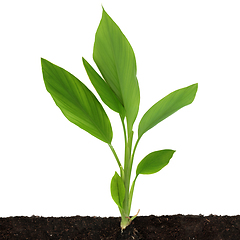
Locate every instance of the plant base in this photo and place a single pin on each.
(143, 227)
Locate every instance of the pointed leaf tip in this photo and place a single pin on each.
(76, 101)
(104, 91)
(166, 107)
(154, 161)
(116, 61)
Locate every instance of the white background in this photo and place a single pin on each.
(50, 167)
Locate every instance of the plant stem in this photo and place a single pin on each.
(128, 161)
(116, 157)
(125, 134)
(133, 183)
(134, 149)
(127, 175)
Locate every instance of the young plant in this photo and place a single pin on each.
(118, 88)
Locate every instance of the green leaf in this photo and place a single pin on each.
(154, 162)
(76, 101)
(103, 89)
(116, 61)
(166, 107)
(117, 190)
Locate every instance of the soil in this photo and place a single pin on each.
(182, 227)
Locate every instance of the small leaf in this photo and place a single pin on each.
(154, 162)
(117, 190)
(116, 61)
(166, 107)
(76, 101)
(103, 89)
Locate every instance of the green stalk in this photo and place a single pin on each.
(134, 153)
(133, 183)
(126, 178)
(128, 162)
(117, 159)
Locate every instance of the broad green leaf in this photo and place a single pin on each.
(154, 162)
(103, 89)
(166, 107)
(116, 61)
(76, 101)
(117, 190)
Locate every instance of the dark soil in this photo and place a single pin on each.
(150, 227)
